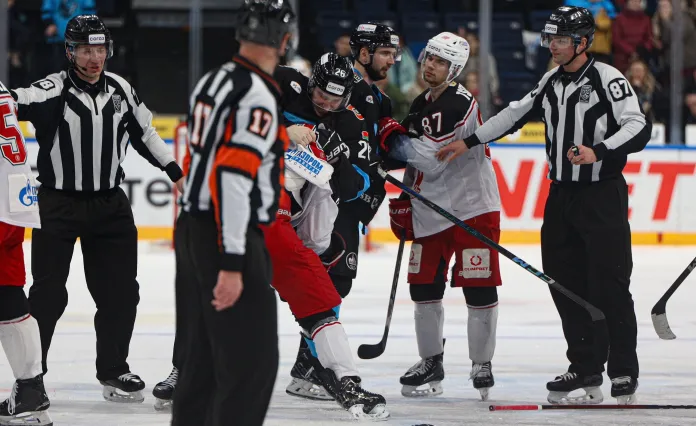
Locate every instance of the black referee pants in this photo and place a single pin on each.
(109, 240)
(229, 358)
(586, 247)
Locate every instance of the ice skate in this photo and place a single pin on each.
(560, 388)
(482, 375)
(27, 404)
(624, 390)
(305, 382)
(164, 391)
(361, 404)
(125, 388)
(426, 372)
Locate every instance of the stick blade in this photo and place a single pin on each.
(661, 326)
(370, 351)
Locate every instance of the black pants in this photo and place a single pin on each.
(347, 226)
(109, 239)
(229, 359)
(586, 247)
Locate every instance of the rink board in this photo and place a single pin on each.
(661, 181)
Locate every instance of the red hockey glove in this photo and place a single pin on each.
(387, 127)
(335, 252)
(400, 218)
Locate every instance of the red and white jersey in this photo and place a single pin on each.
(465, 187)
(19, 204)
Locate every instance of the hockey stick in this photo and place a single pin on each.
(373, 351)
(659, 311)
(595, 313)
(588, 407)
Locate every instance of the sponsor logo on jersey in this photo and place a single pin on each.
(476, 263)
(352, 261)
(28, 195)
(304, 160)
(370, 99)
(366, 135)
(414, 260)
(117, 102)
(296, 86)
(96, 39)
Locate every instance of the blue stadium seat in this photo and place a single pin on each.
(538, 18)
(384, 17)
(415, 6)
(420, 26)
(360, 6)
(331, 24)
(321, 5)
(455, 20)
(515, 85)
(510, 60)
(453, 6)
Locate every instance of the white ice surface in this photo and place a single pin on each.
(530, 349)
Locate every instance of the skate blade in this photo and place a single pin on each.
(626, 399)
(31, 418)
(484, 393)
(305, 389)
(163, 404)
(378, 413)
(112, 394)
(592, 395)
(433, 389)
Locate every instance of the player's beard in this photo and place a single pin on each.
(376, 75)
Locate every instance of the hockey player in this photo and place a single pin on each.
(19, 331)
(321, 102)
(593, 121)
(302, 245)
(467, 188)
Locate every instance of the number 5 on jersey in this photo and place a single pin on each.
(11, 140)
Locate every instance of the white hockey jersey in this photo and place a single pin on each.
(19, 204)
(465, 187)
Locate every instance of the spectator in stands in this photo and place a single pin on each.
(595, 6)
(631, 35)
(662, 25)
(690, 99)
(416, 88)
(649, 5)
(403, 73)
(473, 64)
(20, 37)
(55, 15)
(644, 85)
(342, 44)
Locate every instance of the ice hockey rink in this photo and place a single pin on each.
(530, 349)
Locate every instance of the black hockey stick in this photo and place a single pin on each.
(595, 313)
(373, 351)
(659, 311)
(588, 407)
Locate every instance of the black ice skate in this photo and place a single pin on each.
(560, 388)
(482, 375)
(624, 390)
(164, 391)
(305, 382)
(428, 371)
(361, 404)
(27, 404)
(125, 388)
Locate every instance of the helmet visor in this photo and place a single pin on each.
(330, 99)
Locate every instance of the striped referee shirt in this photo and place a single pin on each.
(594, 106)
(236, 148)
(84, 130)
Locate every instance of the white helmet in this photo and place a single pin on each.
(449, 47)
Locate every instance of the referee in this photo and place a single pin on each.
(84, 120)
(593, 121)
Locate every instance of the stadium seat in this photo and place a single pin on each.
(415, 5)
(420, 26)
(331, 24)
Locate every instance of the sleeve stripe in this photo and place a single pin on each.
(239, 158)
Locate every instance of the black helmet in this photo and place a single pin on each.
(265, 21)
(571, 21)
(374, 35)
(333, 74)
(88, 30)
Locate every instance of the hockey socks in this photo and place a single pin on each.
(430, 319)
(22, 344)
(332, 348)
(481, 328)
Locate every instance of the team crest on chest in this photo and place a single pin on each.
(117, 102)
(585, 92)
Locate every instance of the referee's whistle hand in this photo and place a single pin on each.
(227, 290)
(451, 151)
(586, 155)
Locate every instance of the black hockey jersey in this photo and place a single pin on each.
(350, 153)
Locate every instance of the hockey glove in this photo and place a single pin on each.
(336, 250)
(400, 217)
(387, 129)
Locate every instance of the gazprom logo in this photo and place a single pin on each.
(28, 195)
